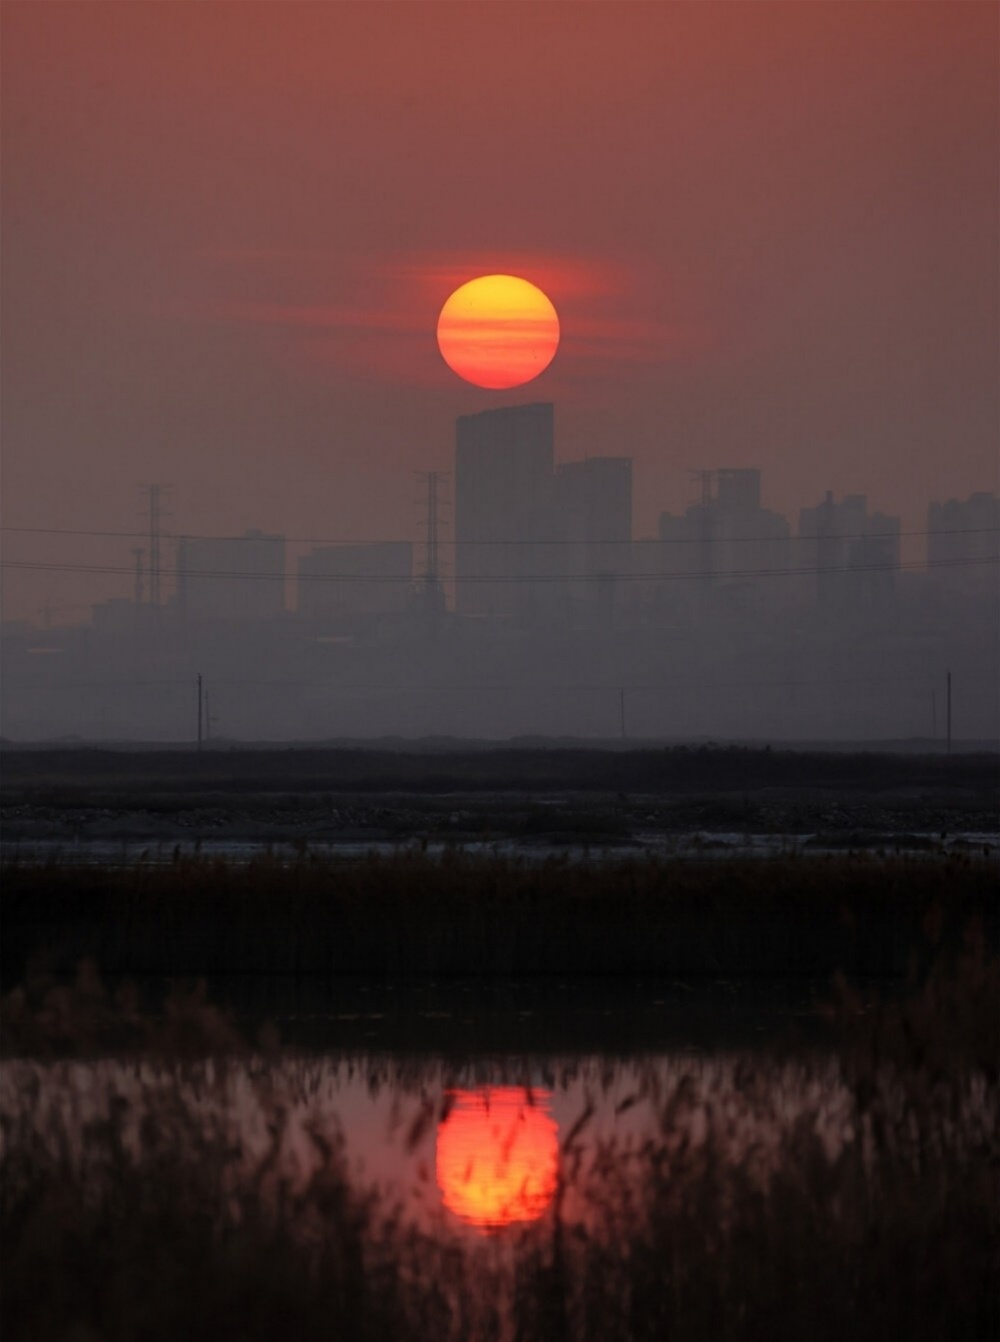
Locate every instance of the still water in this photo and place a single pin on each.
(665, 1195)
(470, 1149)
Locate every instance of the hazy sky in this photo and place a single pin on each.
(770, 230)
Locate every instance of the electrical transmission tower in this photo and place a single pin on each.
(705, 479)
(137, 554)
(432, 593)
(156, 495)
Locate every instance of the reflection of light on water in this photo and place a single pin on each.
(497, 1155)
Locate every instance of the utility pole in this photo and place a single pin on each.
(199, 710)
(948, 713)
(137, 554)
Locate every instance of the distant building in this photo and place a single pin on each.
(533, 539)
(349, 580)
(555, 558)
(854, 554)
(231, 578)
(600, 489)
(737, 492)
(597, 493)
(961, 540)
(727, 539)
(504, 462)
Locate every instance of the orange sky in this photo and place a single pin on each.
(770, 231)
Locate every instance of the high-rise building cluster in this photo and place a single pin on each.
(535, 605)
(536, 540)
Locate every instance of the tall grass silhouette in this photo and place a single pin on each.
(202, 1188)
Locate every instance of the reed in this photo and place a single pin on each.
(201, 1187)
(207, 1199)
(411, 914)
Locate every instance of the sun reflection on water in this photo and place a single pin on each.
(497, 1155)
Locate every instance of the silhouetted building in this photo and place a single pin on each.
(962, 539)
(855, 555)
(503, 471)
(728, 541)
(597, 493)
(556, 560)
(737, 492)
(600, 489)
(231, 578)
(350, 580)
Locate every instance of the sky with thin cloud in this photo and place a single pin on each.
(770, 231)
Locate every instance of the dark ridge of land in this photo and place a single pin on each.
(410, 916)
(37, 773)
(564, 796)
(471, 745)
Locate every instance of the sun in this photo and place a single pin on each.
(498, 1155)
(498, 331)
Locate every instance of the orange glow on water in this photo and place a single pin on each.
(498, 331)
(497, 1155)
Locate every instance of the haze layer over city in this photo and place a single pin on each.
(540, 614)
(753, 497)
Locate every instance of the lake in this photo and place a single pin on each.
(468, 1147)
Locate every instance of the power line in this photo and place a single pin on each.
(655, 540)
(589, 577)
(612, 686)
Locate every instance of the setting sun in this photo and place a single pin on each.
(497, 1155)
(498, 331)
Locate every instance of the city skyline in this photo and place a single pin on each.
(35, 542)
(187, 555)
(537, 611)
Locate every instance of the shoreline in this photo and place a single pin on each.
(659, 799)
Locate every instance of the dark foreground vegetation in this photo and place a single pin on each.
(168, 1175)
(182, 1195)
(409, 915)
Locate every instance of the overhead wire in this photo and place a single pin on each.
(41, 566)
(533, 686)
(512, 541)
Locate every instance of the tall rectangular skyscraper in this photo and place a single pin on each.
(504, 462)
